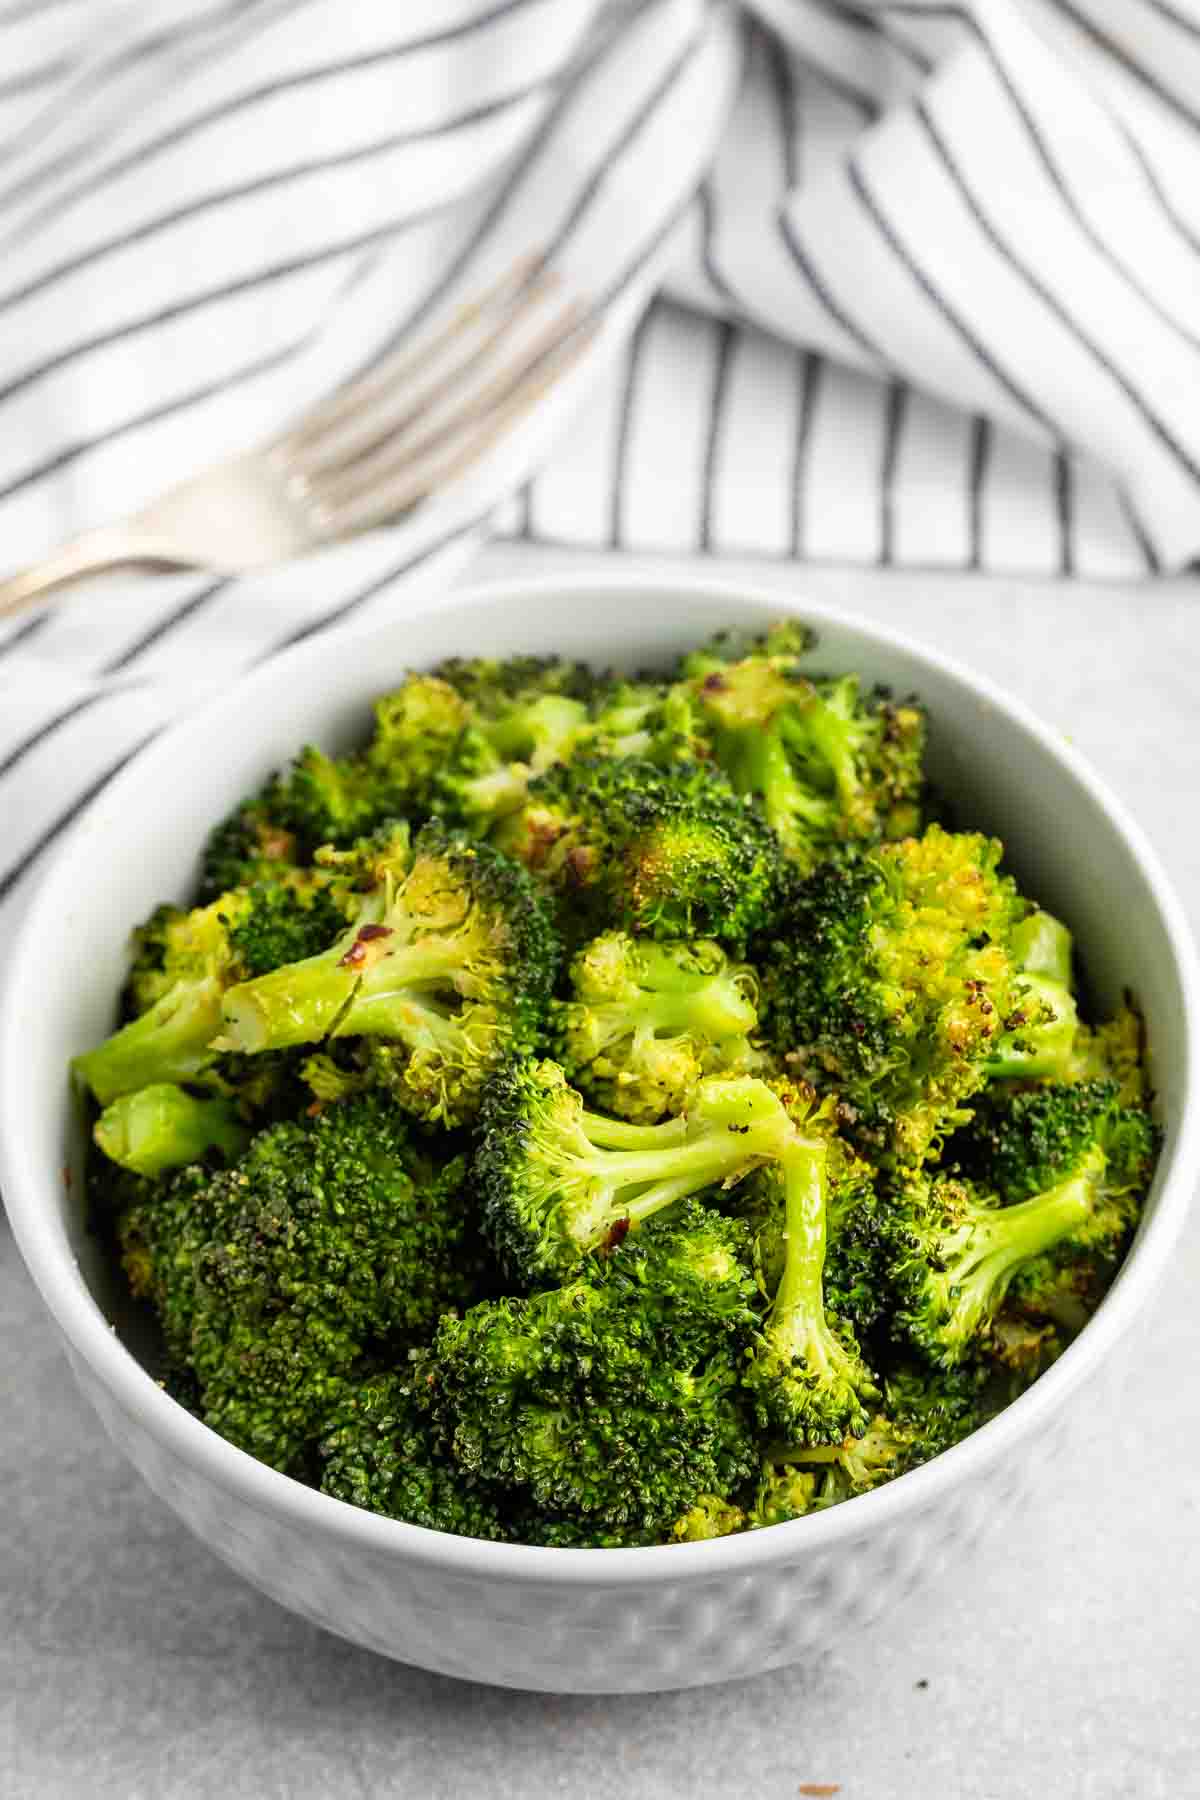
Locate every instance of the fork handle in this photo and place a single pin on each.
(109, 547)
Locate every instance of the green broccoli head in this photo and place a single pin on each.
(378, 1452)
(445, 971)
(333, 1238)
(664, 853)
(827, 763)
(889, 978)
(556, 1181)
(1075, 1165)
(183, 964)
(249, 846)
(609, 1406)
(647, 1020)
(1026, 1143)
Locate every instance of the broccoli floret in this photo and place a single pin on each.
(251, 845)
(806, 1377)
(608, 1406)
(1025, 1143)
(889, 978)
(1080, 1168)
(331, 1239)
(163, 1127)
(1113, 1051)
(450, 960)
(710, 1517)
(557, 1181)
(647, 1020)
(665, 853)
(378, 1452)
(184, 962)
(1039, 1037)
(827, 763)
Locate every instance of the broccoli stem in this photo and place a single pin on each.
(618, 1134)
(171, 1042)
(360, 987)
(980, 1257)
(162, 1128)
(757, 762)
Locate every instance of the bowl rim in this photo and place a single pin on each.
(91, 1339)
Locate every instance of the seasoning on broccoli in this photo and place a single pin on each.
(647, 1020)
(890, 980)
(449, 960)
(608, 1406)
(557, 1181)
(664, 853)
(827, 763)
(334, 1240)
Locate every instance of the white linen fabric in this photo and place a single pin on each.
(899, 282)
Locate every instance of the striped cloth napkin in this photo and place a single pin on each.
(898, 281)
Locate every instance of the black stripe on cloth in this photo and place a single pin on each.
(524, 529)
(1150, 555)
(718, 395)
(634, 127)
(820, 287)
(245, 284)
(980, 457)
(33, 79)
(20, 10)
(314, 627)
(783, 80)
(867, 24)
(1140, 73)
(952, 11)
(1064, 511)
(1185, 22)
(221, 384)
(938, 300)
(178, 615)
(23, 633)
(809, 372)
(1098, 241)
(94, 77)
(893, 430)
(168, 140)
(54, 831)
(262, 184)
(625, 410)
(56, 721)
(713, 274)
(1154, 424)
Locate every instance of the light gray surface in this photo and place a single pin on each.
(1065, 1667)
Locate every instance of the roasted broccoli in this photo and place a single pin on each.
(184, 962)
(1063, 1173)
(610, 1406)
(446, 967)
(666, 853)
(891, 980)
(557, 1181)
(602, 1110)
(827, 763)
(334, 1240)
(647, 1020)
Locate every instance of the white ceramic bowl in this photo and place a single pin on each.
(569, 1621)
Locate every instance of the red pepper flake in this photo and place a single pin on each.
(618, 1231)
(714, 683)
(819, 1790)
(357, 953)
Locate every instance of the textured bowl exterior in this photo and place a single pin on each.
(590, 1637)
(513, 1615)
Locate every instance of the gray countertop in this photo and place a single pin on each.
(1065, 1666)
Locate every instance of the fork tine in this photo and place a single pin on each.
(357, 395)
(377, 425)
(405, 448)
(411, 482)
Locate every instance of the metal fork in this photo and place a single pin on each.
(371, 452)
